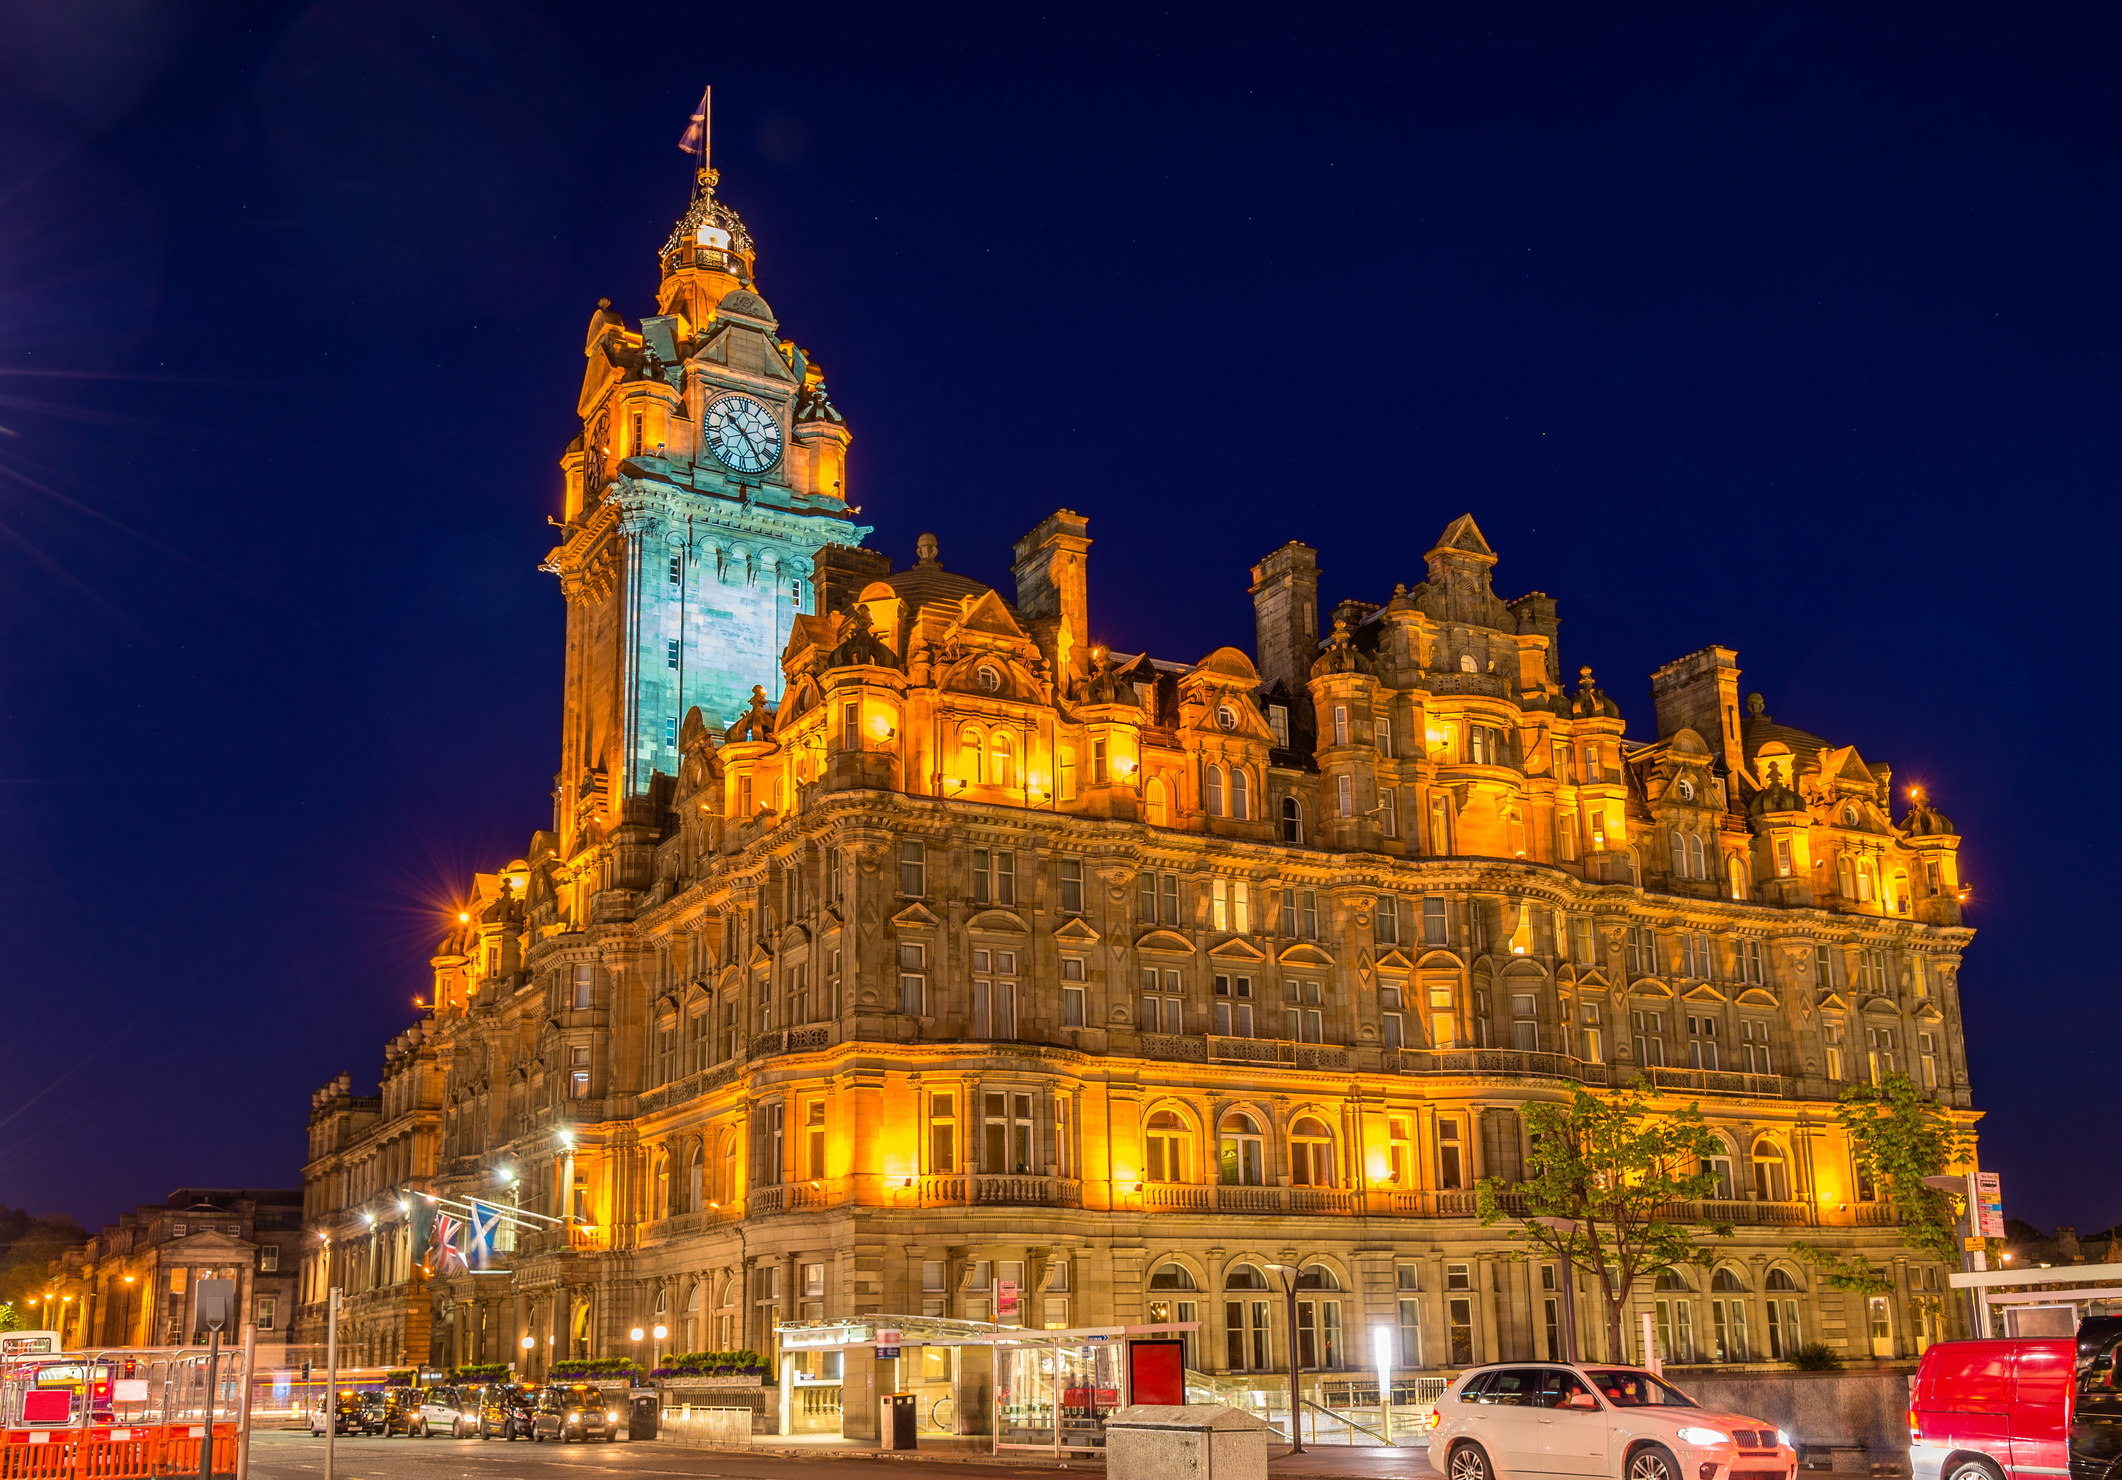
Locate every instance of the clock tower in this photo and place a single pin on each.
(710, 469)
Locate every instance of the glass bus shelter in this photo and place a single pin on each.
(1022, 1388)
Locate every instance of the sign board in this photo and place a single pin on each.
(1156, 1372)
(1007, 1301)
(217, 1304)
(1989, 1205)
(887, 1345)
(129, 1390)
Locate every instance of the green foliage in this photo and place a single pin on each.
(1852, 1272)
(1816, 1356)
(707, 1361)
(594, 1367)
(10, 1318)
(1897, 1138)
(479, 1372)
(1619, 1168)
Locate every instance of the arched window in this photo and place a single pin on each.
(662, 1208)
(1173, 1277)
(1724, 1281)
(1671, 1279)
(971, 765)
(1157, 803)
(1467, 663)
(1865, 880)
(1244, 1277)
(695, 1327)
(728, 1185)
(1240, 801)
(1771, 1174)
(1897, 898)
(1845, 878)
(1212, 790)
(1317, 1277)
(1292, 821)
(695, 1180)
(1311, 1154)
(1782, 1307)
(1849, 815)
(1735, 876)
(1697, 866)
(1679, 842)
(1514, 834)
(1239, 1151)
(1003, 750)
(1779, 1279)
(1166, 1140)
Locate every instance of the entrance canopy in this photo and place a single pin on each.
(938, 1331)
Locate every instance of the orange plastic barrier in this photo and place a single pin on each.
(76, 1454)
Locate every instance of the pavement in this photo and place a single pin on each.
(281, 1455)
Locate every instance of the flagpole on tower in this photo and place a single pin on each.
(698, 137)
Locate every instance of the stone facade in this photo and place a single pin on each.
(135, 1283)
(978, 969)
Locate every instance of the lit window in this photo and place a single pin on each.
(1278, 722)
(1072, 886)
(1227, 717)
(1212, 790)
(1240, 799)
(1345, 794)
(1340, 724)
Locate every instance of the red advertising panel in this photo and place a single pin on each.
(1156, 1372)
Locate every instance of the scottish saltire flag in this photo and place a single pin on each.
(694, 139)
(479, 1235)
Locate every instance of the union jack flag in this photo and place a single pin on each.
(694, 139)
(443, 1255)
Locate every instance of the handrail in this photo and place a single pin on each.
(1335, 1413)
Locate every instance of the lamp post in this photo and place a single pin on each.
(1964, 1229)
(1566, 1230)
(125, 1334)
(656, 1351)
(1289, 1276)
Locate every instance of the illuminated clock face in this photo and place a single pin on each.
(743, 434)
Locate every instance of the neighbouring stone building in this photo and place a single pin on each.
(903, 946)
(136, 1282)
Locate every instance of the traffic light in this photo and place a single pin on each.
(305, 1372)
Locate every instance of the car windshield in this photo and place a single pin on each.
(1630, 1387)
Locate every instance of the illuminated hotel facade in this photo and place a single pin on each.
(970, 967)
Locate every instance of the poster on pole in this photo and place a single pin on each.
(1989, 1206)
(1007, 1300)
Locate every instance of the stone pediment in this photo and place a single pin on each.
(1834, 1000)
(985, 615)
(1393, 960)
(1703, 992)
(1001, 921)
(1078, 932)
(916, 915)
(1651, 987)
(1881, 1004)
(1168, 942)
(1757, 997)
(1440, 961)
(1304, 953)
(1237, 948)
(792, 936)
(760, 956)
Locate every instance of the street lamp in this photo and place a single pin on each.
(1289, 1276)
(1566, 1230)
(1964, 1227)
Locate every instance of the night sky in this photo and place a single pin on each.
(1788, 327)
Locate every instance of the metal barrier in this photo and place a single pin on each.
(92, 1455)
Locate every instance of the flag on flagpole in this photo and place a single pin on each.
(694, 139)
(479, 1235)
(443, 1256)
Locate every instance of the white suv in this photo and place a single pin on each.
(1619, 1423)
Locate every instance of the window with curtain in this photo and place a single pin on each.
(971, 768)
(1311, 1154)
(1212, 790)
(1240, 1151)
(1165, 1140)
(1240, 798)
(1002, 752)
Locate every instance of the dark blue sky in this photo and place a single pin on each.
(1788, 327)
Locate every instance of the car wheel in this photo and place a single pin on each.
(1653, 1462)
(610, 1435)
(1470, 1462)
(1974, 1469)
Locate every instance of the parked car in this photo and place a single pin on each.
(1621, 1423)
(1987, 1409)
(508, 1411)
(345, 1414)
(445, 1410)
(574, 1410)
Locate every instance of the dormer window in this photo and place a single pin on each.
(1467, 663)
(1278, 721)
(990, 677)
(1849, 815)
(1226, 717)
(1684, 789)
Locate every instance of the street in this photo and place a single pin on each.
(280, 1455)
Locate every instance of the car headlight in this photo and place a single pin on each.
(1783, 1438)
(574, 1418)
(611, 1418)
(1704, 1436)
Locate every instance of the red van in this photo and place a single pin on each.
(2021, 1408)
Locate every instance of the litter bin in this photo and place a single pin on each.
(896, 1423)
(642, 1408)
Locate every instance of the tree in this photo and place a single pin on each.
(1897, 1138)
(1623, 1171)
